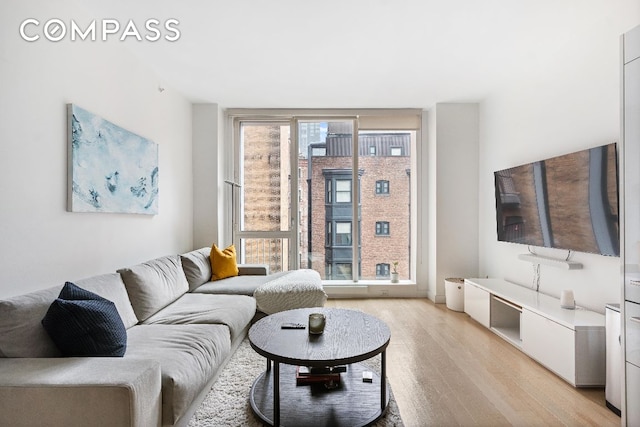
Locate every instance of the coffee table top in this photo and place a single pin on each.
(349, 336)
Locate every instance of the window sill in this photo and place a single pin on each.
(366, 282)
(370, 289)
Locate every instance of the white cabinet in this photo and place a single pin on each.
(613, 389)
(633, 389)
(631, 225)
(571, 343)
(550, 344)
(476, 303)
(577, 355)
(632, 331)
(632, 379)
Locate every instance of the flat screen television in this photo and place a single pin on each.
(565, 202)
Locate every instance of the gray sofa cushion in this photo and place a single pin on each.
(111, 287)
(154, 284)
(238, 285)
(22, 334)
(197, 267)
(235, 311)
(296, 289)
(189, 355)
(80, 392)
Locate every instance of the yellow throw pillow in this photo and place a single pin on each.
(223, 262)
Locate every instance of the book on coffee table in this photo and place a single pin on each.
(305, 377)
(314, 370)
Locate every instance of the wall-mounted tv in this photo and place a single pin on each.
(565, 202)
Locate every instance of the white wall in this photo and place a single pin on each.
(453, 195)
(206, 184)
(572, 105)
(432, 218)
(40, 243)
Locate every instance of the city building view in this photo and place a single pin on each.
(325, 219)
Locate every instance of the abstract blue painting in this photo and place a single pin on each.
(110, 168)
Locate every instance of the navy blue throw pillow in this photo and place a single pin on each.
(81, 323)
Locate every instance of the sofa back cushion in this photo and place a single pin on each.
(197, 267)
(110, 286)
(154, 284)
(21, 331)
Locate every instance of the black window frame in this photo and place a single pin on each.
(382, 186)
(382, 228)
(383, 270)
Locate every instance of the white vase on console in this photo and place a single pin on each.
(567, 300)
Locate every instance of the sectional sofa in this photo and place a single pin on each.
(181, 329)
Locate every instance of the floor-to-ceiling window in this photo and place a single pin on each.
(263, 231)
(328, 192)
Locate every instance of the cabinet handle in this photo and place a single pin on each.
(509, 303)
(635, 319)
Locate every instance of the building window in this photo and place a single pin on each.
(382, 187)
(329, 232)
(343, 234)
(318, 151)
(396, 151)
(328, 269)
(382, 228)
(343, 191)
(343, 271)
(329, 195)
(372, 150)
(382, 271)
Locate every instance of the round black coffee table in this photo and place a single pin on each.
(349, 337)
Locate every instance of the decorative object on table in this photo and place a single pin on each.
(305, 376)
(394, 273)
(324, 370)
(567, 300)
(109, 168)
(316, 323)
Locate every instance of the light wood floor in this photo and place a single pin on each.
(445, 370)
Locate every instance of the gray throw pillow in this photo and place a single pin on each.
(197, 267)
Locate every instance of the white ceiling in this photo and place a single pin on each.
(358, 53)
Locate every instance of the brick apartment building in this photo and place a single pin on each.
(326, 202)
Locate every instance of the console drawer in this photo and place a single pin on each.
(477, 304)
(550, 343)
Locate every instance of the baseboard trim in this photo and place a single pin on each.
(438, 299)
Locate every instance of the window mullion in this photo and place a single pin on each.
(355, 197)
(294, 206)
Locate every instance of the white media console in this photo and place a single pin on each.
(571, 343)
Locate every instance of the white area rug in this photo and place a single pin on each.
(227, 404)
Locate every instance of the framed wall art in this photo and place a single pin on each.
(110, 168)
